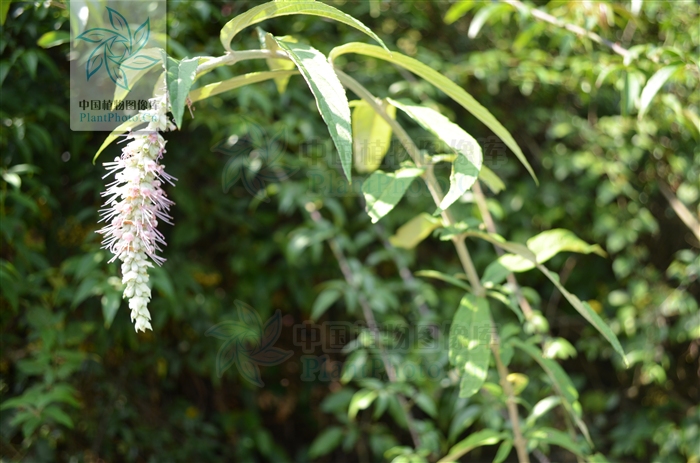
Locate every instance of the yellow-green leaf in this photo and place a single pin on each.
(371, 136)
(443, 83)
(470, 338)
(236, 82)
(267, 41)
(414, 231)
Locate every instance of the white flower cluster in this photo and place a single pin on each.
(135, 203)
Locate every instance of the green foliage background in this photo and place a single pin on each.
(74, 389)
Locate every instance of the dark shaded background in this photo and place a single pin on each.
(156, 396)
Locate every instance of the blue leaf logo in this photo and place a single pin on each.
(248, 343)
(115, 46)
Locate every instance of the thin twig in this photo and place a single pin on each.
(404, 272)
(491, 227)
(458, 241)
(679, 208)
(371, 322)
(546, 17)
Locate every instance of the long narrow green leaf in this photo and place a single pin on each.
(560, 380)
(443, 83)
(477, 439)
(284, 8)
(443, 277)
(457, 10)
(494, 238)
(470, 338)
(587, 312)
(545, 246)
(465, 169)
(555, 437)
(330, 97)
(383, 191)
(483, 15)
(236, 82)
(653, 86)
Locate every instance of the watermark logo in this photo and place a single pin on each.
(115, 58)
(255, 159)
(117, 48)
(248, 343)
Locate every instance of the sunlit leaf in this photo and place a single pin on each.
(330, 97)
(284, 8)
(410, 234)
(371, 136)
(465, 168)
(470, 340)
(653, 86)
(443, 83)
(383, 191)
(477, 439)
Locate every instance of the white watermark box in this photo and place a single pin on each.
(116, 60)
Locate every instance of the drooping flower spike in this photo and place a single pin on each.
(135, 204)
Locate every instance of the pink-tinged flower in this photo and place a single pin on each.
(135, 202)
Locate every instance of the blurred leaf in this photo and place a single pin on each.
(371, 136)
(325, 442)
(12, 178)
(361, 401)
(491, 180)
(410, 234)
(330, 97)
(477, 439)
(555, 437)
(653, 86)
(483, 15)
(458, 10)
(51, 38)
(58, 415)
(426, 403)
(560, 380)
(4, 9)
(88, 287)
(503, 450)
(463, 419)
(324, 301)
(540, 408)
(444, 277)
(110, 305)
